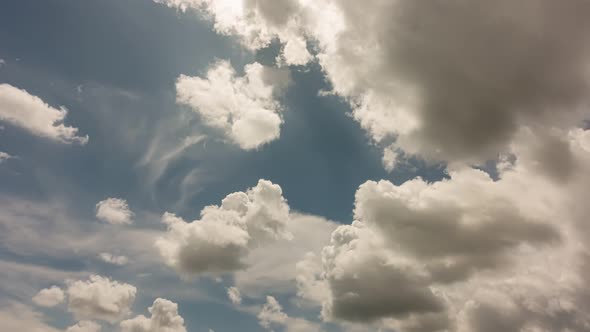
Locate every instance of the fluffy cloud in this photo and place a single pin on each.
(49, 297)
(21, 109)
(84, 326)
(112, 259)
(164, 318)
(224, 235)
(271, 313)
(100, 298)
(114, 211)
(450, 81)
(463, 254)
(244, 108)
(233, 293)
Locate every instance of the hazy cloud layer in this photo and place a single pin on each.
(49, 297)
(84, 326)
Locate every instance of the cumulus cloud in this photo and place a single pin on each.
(84, 326)
(100, 298)
(454, 81)
(449, 81)
(224, 235)
(468, 253)
(21, 109)
(233, 293)
(243, 108)
(113, 259)
(164, 318)
(114, 211)
(271, 313)
(49, 297)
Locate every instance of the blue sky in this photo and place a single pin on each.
(453, 158)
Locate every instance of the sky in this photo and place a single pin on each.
(294, 165)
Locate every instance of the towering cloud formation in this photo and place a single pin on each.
(222, 238)
(21, 109)
(164, 318)
(244, 108)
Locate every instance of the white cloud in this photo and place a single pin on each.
(100, 298)
(224, 235)
(112, 259)
(233, 293)
(271, 313)
(114, 211)
(4, 156)
(244, 108)
(164, 318)
(29, 112)
(49, 297)
(84, 326)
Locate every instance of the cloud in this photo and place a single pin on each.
(224, 235)
(164, 318)
(114, 211)
(459, 85)
(271, 268)
(49, 297)
(19, 317)
(29, 112)
(100, 298)
(243, 108)
(467, 253)
(271, 313)
(445, 82)
(256, 23)
(4, 156)
(112, 259)
(84, 326)
(233, 293)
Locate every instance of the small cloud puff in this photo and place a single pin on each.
(114, 211)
